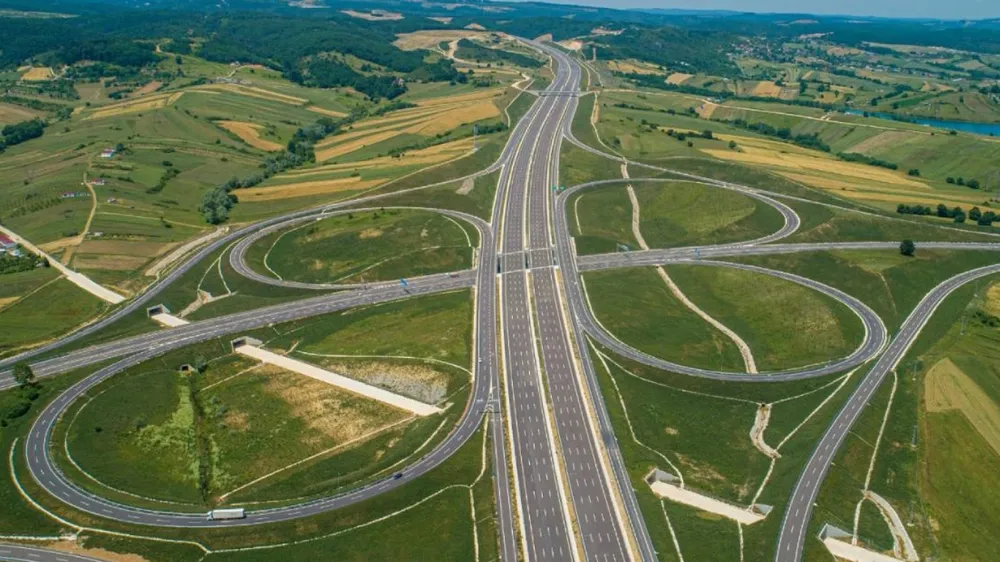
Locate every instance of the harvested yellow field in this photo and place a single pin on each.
(854, 188)
(477, 27)
(463, 98)
(38, 74)
(147, 103)
(440, 19)
(633, 67)
(428, 156)
(572, 44)
(947, 388)
(305, 189)
(844, 51)
(109, 262)
(452, 118)
(766, 88)
(806, 162)
(879, 141)
(250, 134)
(254, 92)
(344, 148)
(431, 38)
(10, 113)
(324, 111)
(60, 244)
(678, 78)
(992, 302)
(125, 248)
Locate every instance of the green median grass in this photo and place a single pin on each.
(785, 324)
(600, 219)
(636, 306)
(671, 214)
(367, 246)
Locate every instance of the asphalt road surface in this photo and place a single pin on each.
(21, 553)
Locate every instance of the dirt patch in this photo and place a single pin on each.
(250, 134)
(370, 233)
(431, 39)
(38, 74)
(7, 301)
(671, 431)
(947, 388)
(992, 303)
(633, 67)
(478, 27)
(374, 15)
(679, 78)
(304, 189)
(443, 20)
(335, 413)
(97, 553)
(148, 88)
(466, 187)
(767, 89)
(417, 381)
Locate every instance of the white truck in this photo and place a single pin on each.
(224, 514)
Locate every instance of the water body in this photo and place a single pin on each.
(988, 129)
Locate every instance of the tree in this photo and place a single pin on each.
(914, 172)
(975, 214)
(907, 248)
(959, 216)
(23, 375)
(732, 145)
(706, 134)
(950, 180)
(974, 184)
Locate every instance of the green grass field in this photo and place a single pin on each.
(889, 283)
(785, 325)
(929, 458)
(673, 214)
(47, 307)
(702, 427)
(365, 247)
(638, 308)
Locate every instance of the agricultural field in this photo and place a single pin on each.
(378, 245)
(659, 127)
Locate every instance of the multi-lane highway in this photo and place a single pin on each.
(567, 495)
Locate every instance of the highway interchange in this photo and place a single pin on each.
(568, 495)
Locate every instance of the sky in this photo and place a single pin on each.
(951, 9)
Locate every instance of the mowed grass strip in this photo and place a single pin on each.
(371, 246)
(604, 216)
(785, 324)
(636, 306)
